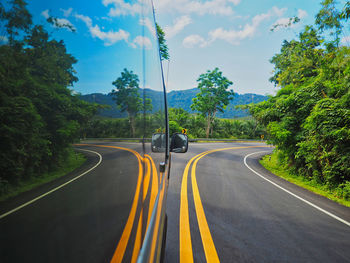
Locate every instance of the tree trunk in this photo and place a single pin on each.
(212, 122)
(208, 127)
(132, 124)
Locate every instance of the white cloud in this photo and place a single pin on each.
(235, 2)
(149, 24)
(105, 18)
(235, 36)
(62, 22)
(302, 13)
(179, 24)
(123, 8)
(214, 7)
(279, 11)
(232, 36)
(142, 42)
(59, 22)
(282, 23)
(87, 20)
(67, 12)
(285, 22)
(109, 38)
(45, 13)
(194, 40)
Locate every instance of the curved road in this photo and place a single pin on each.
(79, 222)
(229, 213)
(221, 206)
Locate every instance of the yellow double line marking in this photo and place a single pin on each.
(154, 192)
(150, 166)
(186, 252)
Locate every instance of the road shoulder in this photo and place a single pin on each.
(13, 202)
(320, 201)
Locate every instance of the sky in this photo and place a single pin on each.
(233, 35)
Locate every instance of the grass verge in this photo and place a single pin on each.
(271, 163)
(74, 161)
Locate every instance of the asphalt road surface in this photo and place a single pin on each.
(80, 222)
(228, 213)
(221, 206)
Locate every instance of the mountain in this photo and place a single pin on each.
(176, 99)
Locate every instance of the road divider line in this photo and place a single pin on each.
(208, 244)
(123, 242)
(147, 178)
(156, 226)
(154, 189)
(137, 243)
(146, 181)
(56, 188)
(289, 192)
(186, 253)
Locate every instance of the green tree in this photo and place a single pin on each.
(163, 48)
(213, 96)
(179, 115)
(309, 119)
(127, 97)
(16, 20)
(174, 127)
(329, 18)
(40, 117)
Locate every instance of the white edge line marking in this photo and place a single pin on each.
(55, 189)
(296, 196)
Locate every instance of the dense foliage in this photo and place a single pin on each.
(309, 117)
(178, 119)
(39, 116)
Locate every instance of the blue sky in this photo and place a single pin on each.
(233, 35)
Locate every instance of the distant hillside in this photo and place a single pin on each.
(176, 99)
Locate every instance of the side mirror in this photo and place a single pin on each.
(158, 142)
(179, 143)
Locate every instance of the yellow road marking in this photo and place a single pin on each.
(123, 242)
(147, 178)
(185, 234)
(154, 189)
(186, 253)
(120, 250)
(137, 243)
(156, 226)
(209, 248)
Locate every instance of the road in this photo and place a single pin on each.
(238, 216)
(80, 222)
(226, 212)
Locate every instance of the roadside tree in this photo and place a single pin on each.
(127, 96)
(213, 96)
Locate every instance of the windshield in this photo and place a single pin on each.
(174, 130)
